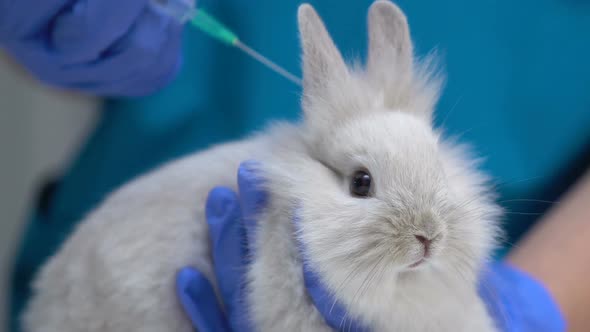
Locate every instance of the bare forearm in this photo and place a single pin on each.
(557, 253)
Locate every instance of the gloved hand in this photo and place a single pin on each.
(515, 300)
(102, 47)
(332, 310)
(232, 221)
(518, 302)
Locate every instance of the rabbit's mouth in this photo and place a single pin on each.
(417, 263)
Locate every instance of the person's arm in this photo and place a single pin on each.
(557, 253)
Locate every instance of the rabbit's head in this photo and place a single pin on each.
(388, 197)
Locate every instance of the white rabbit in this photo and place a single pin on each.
(396, 221)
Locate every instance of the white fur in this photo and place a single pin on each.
(116, 272)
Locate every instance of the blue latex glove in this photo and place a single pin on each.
(102, 47)
(332, 310)
(517, 302)
(231, 220)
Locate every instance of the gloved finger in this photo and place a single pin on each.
(199, 302)
(26, 19)
(142, 62)
(333, 312)
(517, 301)
(79, 33)
(149, 39)
(227, 239)
(253, 198)
(140, 80)
(139, 86)
(163, 68)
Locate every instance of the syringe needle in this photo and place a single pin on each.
(265, 61)
(215, 29)
(211, 26)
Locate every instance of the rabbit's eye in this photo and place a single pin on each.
(360, 185)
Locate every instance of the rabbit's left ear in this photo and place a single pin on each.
(390, 63)
(390, 46)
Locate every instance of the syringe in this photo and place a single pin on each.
(183, 11)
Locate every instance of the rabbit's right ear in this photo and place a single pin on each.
(323, 66)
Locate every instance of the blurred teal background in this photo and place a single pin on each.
(518, 90)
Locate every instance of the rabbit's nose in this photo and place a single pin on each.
(426, 243)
